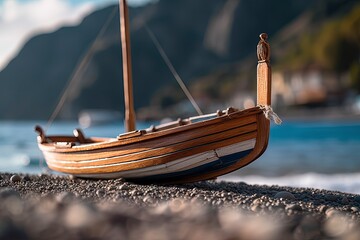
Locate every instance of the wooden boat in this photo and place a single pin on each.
(187, 150)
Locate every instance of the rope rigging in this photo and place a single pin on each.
(78, 70)
(173, 71)
(84, 61)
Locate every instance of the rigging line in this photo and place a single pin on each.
(78, 70)
(173, 71)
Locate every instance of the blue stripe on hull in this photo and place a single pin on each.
(222, 163)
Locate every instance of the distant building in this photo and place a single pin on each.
(309, 88)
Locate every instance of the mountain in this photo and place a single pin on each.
(202, 39)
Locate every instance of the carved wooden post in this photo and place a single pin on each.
(127, 74)
(263, 72)
(41, 134)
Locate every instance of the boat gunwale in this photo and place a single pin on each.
(113, 142)
(157, 143)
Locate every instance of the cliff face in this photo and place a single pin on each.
(198, 37)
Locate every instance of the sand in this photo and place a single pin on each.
(64, 207)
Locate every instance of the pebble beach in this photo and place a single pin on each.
(63, 207)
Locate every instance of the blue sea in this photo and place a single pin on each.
(313, 154)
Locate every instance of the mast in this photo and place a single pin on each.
(127, 74)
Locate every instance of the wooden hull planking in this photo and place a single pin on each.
(215, 147)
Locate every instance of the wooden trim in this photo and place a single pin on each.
(148, 162)
(136, 133)
(108, 143)
(191, 143)
(154, 143)
(263, 72)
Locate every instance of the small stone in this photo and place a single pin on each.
(26, 178)
(116, 198)
(15, 178)
(242, 184)
(255, 208)
(201, 197)
(354, 209)
(148, 199)
(257, 201)
(323, 208)
(331, 198)
(42, 175)
(294, 207)
(133, 193)
(285, 195)
(331, 212)
(100, 193)
(72, 177)
(344, 200)
(123, 187)
(280, 205)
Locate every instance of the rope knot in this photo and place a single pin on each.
(270, 114)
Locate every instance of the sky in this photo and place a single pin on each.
(21, 19)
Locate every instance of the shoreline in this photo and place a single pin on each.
(325, 114)
(39, 206)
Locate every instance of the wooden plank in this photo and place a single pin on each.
(193, 161)
(153, 144)
(239, 115)
(132, 134)
(148, 162)
(178, 165)
(190, 141)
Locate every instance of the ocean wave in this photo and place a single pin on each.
(343, 182)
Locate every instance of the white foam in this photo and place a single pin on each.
(344, 182)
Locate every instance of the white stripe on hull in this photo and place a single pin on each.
(182, 164)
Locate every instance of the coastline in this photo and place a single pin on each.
(57, 207)
(324, 114)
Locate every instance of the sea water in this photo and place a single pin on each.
(303, 154)
(308, 154)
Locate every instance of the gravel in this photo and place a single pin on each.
(64, 207)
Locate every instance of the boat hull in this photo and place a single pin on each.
(193, 152)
